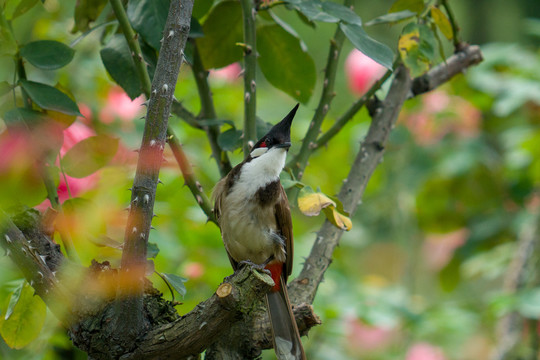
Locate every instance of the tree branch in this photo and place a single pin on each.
(194, 186)
(197, 330)
(38, 258)
(468, 56)
(130, 321)
(208, 112)
(250, 66)
(304, 287)
(179, 110)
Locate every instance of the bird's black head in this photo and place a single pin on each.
(280, 134)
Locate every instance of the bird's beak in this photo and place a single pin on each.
(284, 145)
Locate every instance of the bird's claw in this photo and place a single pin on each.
(258, 267)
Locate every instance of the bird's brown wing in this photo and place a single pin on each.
(284, 224)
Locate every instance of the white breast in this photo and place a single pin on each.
(249, 230)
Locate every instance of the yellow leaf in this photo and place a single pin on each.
(342, 221)
(337, 219)
(442, 22)
(409, 42)
(311, 203)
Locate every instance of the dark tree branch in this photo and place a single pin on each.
(194, 186)
(130, 320)
(208, 112)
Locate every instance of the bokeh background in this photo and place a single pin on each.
(421, 274)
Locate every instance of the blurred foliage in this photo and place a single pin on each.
(437, 228)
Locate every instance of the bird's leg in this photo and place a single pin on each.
(259, 267)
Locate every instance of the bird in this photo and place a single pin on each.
(254, 216)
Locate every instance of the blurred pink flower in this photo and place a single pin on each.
(194, 270)
(228, 74)
(438, 249)
(441, 114)
(363, 337)
(120, 106)
(424, 351)
(362, 72)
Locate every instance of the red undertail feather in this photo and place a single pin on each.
(275, 270)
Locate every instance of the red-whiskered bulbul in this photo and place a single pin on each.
(255, 219)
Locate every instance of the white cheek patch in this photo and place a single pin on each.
(258, 152)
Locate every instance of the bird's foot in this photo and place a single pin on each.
(251, 264)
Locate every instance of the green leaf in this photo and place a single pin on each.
(89, 155)
(230, 140)
(195, 29)
(177, 282)
(287, 184)
(148, 18)
(23, 116)
(450, 275)
(367, 45)
(8, 45)
(528, 303)
(442, 22)
(391, 18)
(313, 10)
(50, 98)
(341, 12)
(119, 64)
(417, 48)
(201, 7)
(152, 250)
(13, 300)
(86, 12)
(416, 6)
(22, 7)
(5, 87)
(284, 63)
(47, 54)
(25, 322)
(222, 31)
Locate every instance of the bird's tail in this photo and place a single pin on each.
(287, 343)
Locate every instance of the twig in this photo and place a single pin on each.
(130, 320)
(133, 43)
(299, 162)
(208, 112)
(189, 178)
(250, 66)
(453, 23)
(179, 110)
(348, 115)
